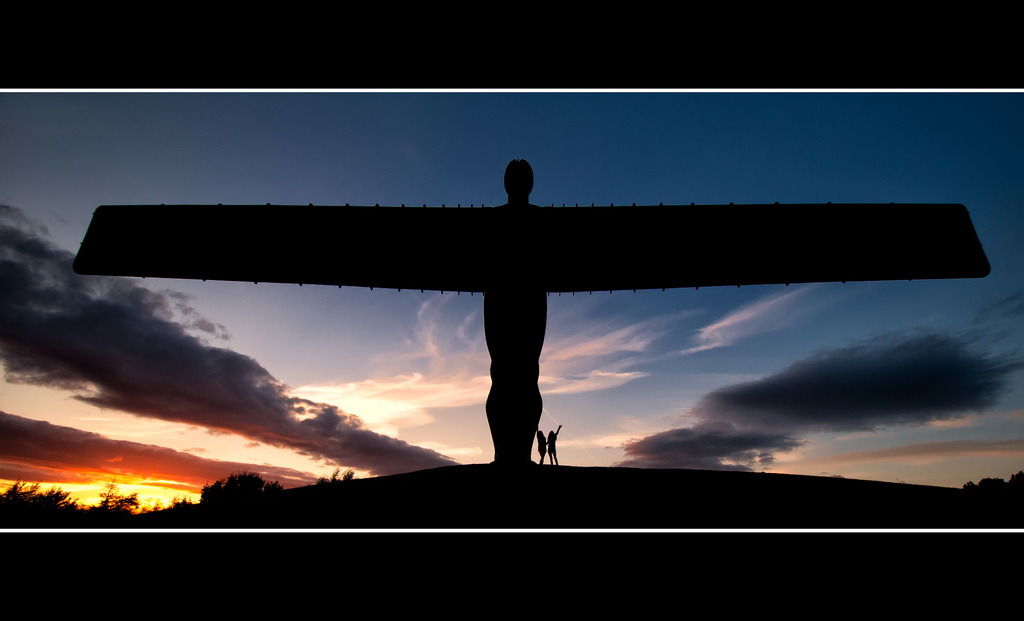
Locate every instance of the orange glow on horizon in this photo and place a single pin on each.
(87, 492)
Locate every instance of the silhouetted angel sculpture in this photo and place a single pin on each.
(725, 245)
(541, 445)
(552, 436)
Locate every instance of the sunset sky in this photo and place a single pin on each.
(167, 385)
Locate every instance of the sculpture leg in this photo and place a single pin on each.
(514, 324)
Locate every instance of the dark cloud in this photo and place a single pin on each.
(119, 345)
(707, 447)
(32, 450)
(889, 380)
(895, 379)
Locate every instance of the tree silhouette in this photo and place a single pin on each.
(1016, 483)
(991, 486)
(20, 493)
(113, 502)
(26, 504)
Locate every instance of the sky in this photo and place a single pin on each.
(167, 385)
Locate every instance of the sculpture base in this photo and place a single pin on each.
(514, 324)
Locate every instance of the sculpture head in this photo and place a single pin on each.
(518, 181)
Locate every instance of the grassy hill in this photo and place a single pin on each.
(568, 497)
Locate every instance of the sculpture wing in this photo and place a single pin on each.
(550, 248)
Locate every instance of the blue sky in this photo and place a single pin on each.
(652, 379)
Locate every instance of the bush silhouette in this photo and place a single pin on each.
(242, 485)
(348, 475)
(992, 484)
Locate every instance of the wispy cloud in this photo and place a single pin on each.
(586, 382)
(771, 313)
(390, 404)
(597, 355)
(923, 452)
(455, 367)
(1009, 307)
(598, 340)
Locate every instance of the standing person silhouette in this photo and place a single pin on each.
(541, 445)
(552, 436)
